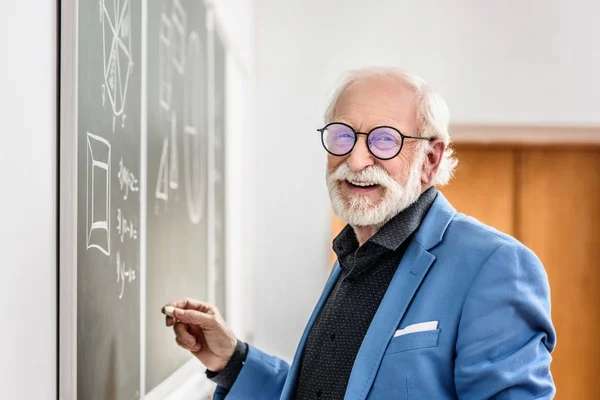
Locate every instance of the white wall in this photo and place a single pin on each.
(235, 23)
(236, 17)
(240, 228)
(509, 62)
(28, 201)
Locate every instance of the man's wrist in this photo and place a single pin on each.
(226, 377)
(226, 360)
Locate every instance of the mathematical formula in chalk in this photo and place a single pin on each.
(127, 180)
(125, 227)
(125, 274)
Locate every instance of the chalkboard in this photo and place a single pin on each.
(149, 188)
(108, 254)
(178, 166)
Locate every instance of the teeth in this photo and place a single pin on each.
(362, 183)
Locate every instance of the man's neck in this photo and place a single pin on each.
(364, 233)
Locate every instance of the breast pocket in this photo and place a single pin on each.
(413, 341)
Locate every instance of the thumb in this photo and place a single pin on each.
(195, 317)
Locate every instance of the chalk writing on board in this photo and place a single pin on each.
(125, 274)
(125, 227)
(162, 187)
(182, 57)
(164, 66)
(179, 17)
(118, 61)
(195, 141)
(171, 51)
(127, 180)
(168, 170)
(172, 35)
(173, 159)
(98, 194)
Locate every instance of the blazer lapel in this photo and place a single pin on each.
(404, 284)
(406, 281)
(290, 382)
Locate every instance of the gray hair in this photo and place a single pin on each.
(433, 116)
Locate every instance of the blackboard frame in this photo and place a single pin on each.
(67, 246)
(196, 384)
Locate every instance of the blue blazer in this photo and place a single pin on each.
(490, 296)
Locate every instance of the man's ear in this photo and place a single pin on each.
(433, 158)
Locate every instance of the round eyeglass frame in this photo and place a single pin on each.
(402, 136)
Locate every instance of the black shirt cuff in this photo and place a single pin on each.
(227, 376)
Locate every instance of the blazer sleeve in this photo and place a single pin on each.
(505, 336)
(262, 378)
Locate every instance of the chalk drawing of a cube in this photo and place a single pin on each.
(98, 194)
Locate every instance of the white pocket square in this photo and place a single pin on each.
(421, 327)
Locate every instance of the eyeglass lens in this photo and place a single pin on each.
(383, 142)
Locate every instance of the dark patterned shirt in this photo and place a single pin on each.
(340, 328)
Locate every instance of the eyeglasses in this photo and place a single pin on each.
(384, 142)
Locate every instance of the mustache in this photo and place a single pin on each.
(374, 174)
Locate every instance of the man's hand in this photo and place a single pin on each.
(200, 329)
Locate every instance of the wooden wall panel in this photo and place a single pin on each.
(559, 219)
(483, 185)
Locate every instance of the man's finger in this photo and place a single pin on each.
(192, 304)
(194, 317)
(183, 335)
(195, 348)
(170, 321)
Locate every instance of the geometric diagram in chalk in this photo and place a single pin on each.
(164, 63)
(173, 159)
(98, 194)
(195, 138)
(162, 183)
(179, 18)
(116, 46)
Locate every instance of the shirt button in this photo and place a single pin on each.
(332, 336)
(319, 393)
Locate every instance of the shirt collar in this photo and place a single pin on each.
(394, 232)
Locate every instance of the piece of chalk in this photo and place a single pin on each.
(169, 310)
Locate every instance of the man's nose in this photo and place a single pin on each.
(360, 157)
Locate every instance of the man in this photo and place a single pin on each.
(424, 302)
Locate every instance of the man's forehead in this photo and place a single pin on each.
(365, 105)
(368, 118)
(387, 89)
